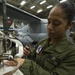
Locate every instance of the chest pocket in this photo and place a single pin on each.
(51, 62)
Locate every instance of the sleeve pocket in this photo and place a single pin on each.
(48, 66)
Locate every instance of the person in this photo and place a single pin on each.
(54, 55)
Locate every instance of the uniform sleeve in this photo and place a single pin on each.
(29, 66)
(66, 67)
(33, 51)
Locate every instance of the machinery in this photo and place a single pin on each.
(14, 48)
(9, 47)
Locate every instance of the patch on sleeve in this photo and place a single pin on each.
(39, 49)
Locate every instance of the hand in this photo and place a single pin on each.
(14, 63)
(27, 50)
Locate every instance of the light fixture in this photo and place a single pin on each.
(32, 7)
(62, 1)
(22, 3)
(49, 6)
(40, 10)
(42, 2)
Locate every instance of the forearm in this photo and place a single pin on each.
(31, 68)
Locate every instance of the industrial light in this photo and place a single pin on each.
(62, 1)
(42, 2)
(32, 7)
(8, 17)
(22, 3)
(49, 6)
(40, 10)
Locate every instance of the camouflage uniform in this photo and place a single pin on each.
(51, 59)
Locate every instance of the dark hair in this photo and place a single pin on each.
(69, 9)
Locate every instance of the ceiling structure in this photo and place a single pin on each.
(43, 13)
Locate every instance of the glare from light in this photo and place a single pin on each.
(8, 17)
(42, 2)
(22, 3)
(32, 7)
(40, 10)
(49, 6)
(62, 1)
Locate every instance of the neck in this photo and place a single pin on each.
(55, 40)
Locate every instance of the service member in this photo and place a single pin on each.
(56, 54)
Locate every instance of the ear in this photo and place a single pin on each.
(70, 25)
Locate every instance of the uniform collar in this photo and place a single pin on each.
(59, 47)
(62, 44)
